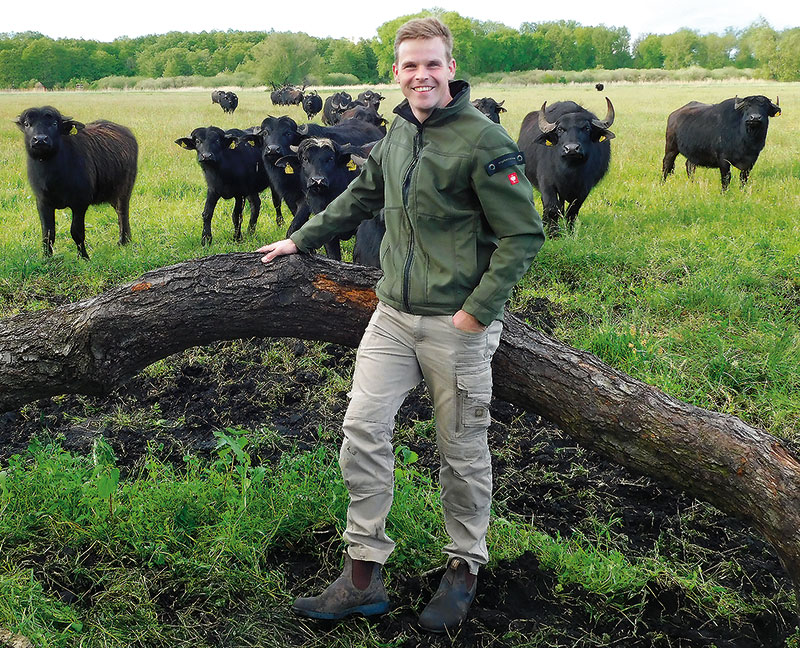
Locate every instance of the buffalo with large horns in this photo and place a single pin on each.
(567, 152)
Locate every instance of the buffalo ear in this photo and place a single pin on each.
(548, 139)
(71, 127)
(289, 163)
(775, 108)
(602, 134)
(253, 139)
(185, 142)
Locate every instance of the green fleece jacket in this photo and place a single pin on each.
(461, 227)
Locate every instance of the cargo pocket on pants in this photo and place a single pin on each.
(474, 384)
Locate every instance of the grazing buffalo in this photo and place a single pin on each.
(599, 87)
(228, 101)
(334, 106)
(312, 104)
(730, 133)
(75, 165)
(490, 108)
(567, 152)
(230, 171)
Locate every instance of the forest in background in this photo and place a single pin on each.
(255, 58)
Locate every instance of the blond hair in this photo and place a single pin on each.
(430, 27)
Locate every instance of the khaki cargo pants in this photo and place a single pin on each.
(397, 351)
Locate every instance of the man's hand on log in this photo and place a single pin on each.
(276, 249)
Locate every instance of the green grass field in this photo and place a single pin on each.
(693, 291)
(704, 285)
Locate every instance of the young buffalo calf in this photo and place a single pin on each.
(230, 171)
(75, 165)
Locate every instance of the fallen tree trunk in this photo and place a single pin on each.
(92, 346)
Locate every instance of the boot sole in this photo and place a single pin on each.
(366, 610)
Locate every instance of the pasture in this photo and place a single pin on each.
(227, 500)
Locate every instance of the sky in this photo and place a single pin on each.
(104, 20)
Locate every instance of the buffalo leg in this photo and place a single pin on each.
(301, 216)
(47, 217)
(122, 208)
(208, 213)
(236, 217)
(690, 167)
(333, 249)
(78, 229)
(743, 176)
(725, 173)
(255, 208)
(572, 213)
(276, 203)
(552, 209)
(668, 163)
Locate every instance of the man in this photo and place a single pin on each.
(461, 229)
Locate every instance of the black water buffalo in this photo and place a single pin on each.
(228, 101)
(274, 140)
(567, 152)
(231, 171)
(312, 104)
(287, 95)
(367, 248)
(325, 169)
(349, 131)
(75, 165)
(730, 133)
(366, 114)
(334, 106)
(490, 108)
(599, 87)
(371, 98)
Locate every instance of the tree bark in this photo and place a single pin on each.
(92, 346)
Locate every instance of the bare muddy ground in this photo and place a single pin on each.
(299, 388)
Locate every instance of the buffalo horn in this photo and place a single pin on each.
(737, 104)
(544, 125)
(606, 123)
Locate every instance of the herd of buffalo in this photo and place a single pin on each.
(567, 151)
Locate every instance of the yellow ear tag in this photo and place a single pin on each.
(184, 145)
(233, 145)
(778, 114)
(288, 170)
(351, 166)
(602, 138)
(74, 130)
(548, 143)
(251, 142)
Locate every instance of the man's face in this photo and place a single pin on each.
(423, 73)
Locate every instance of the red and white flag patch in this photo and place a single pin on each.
(513, 179)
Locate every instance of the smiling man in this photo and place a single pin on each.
(461, 230)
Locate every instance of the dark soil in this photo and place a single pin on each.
(539, 472)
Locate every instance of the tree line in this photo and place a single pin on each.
(481, 47)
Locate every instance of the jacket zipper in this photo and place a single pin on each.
(417, 150)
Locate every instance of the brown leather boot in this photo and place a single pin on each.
(449, 606)
(342, 598)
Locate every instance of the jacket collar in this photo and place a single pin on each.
(459, 90)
